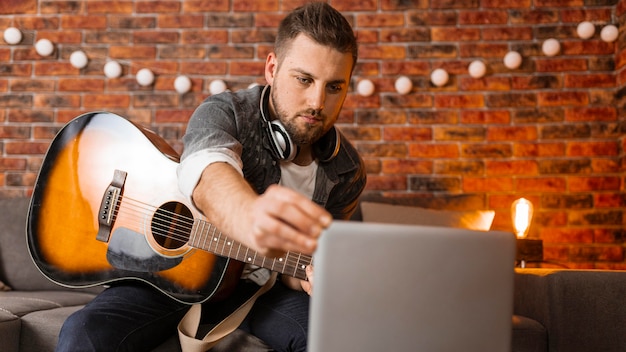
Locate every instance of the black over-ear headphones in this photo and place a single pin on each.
(283, 148)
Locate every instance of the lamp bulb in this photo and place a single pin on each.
(44, 47)
(585, 30)
(439, 77)
(521, 215)
(145, 77)
(551, 47)
(78, 59)
(112, 69)
(12, 36)
(365, 88)
(609, 33)
(403, 85)
(512, 60)
(217, 86)
(182, 84)
(477, 69)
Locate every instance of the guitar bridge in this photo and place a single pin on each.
(108, 206)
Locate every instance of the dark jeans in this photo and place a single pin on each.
(137, 317)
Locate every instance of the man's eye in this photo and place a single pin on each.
(304, 80)
(335, 88)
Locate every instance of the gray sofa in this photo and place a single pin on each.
(555, 310)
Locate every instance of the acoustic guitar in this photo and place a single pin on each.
(106, 207)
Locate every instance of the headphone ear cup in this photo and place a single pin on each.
(327, 147)
(283, 146)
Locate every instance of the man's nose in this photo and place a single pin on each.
(316, 99)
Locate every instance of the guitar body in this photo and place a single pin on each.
(66, 236)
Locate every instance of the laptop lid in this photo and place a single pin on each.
(390, 287)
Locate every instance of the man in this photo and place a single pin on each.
(268, 168)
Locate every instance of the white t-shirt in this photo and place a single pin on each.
(300, 179)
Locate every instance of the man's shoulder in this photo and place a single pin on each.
(250, 95)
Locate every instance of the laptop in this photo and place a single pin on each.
(392, 287)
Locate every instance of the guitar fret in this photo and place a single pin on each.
(207, 237)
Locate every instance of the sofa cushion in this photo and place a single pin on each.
(9, 331)
(409, 215)
(528, 335)
(16, 267)
(40, 329)
(21, 303)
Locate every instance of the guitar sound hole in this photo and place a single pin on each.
(171, 225)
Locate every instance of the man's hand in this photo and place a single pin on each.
(300, 285)
(284, 220)
(272, 223)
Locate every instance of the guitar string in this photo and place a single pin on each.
(164, 230)
(291, 263)
(290, 259)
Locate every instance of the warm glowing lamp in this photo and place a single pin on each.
(521, 215)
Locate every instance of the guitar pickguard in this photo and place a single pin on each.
(129, 250)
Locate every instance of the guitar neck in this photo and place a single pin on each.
(207, 237)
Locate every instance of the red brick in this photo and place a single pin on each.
(590, 81)
(560, 65)
(133, 52)
(610, 200)
(99, 101)
(407, 134)
(486, 83)
(180, 21)
(403, 166)
(83, 22)
(487, 184)
(12, 164)
(247, 68)
(556, 235)
(81, 85)
(18, 6)
(351, 5)
(162, 6)
(110, 7)
(489, 17)
(25, 148)
(386, 52)
(540, 184)
(380, 20)
(195, 6)
(255, 6)
(56, 101)
(516, 133)
(459, 101)
(591, 183)
(523, 4)
(563, 98)
(607, 113)
(511, 167)
(152, 37)
(485, 116)
(423, 150)
(539, 149)
(592, 149)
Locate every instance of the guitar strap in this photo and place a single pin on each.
(188, 326)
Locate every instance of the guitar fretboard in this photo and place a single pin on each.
(207, 237)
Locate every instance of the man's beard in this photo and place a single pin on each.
(299, 135)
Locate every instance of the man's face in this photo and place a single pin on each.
(309, 85)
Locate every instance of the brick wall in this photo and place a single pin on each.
(551, 131)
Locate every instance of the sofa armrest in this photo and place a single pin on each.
(582, 310)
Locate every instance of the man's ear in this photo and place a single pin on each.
(271, 64)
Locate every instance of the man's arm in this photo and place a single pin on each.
(272, 223)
